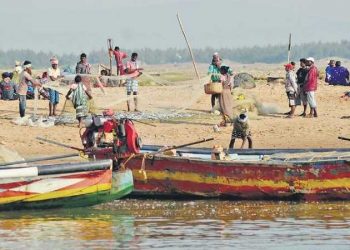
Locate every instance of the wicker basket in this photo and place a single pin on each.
(213, 88)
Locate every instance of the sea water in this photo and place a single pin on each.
(186, 224)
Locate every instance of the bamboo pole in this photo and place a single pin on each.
(110, 55)
(289, 46)
(188, 45)
(47, 158)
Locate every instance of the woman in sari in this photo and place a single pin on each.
(225, 98)
(79, 99)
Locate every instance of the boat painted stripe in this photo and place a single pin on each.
(57, 194)
(343, 183)
(47, 185)
(209, 190)
(19, 172)
(197, 178)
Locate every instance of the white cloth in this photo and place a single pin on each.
(310, 95)
(54, 72)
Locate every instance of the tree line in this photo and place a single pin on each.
(261, 54)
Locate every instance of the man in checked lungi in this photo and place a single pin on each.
(133, 71)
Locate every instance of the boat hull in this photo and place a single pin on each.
(85, 185)
(185, 177)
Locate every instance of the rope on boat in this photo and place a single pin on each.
(122, 165)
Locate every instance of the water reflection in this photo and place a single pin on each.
(63, 229)
(205, 224)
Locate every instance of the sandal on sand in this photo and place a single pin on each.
(290, 116)
(309, 116)
(303, 115)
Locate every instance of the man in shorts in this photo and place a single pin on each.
(301, 76)
(310, 86)
(54, 74)
(133, 72)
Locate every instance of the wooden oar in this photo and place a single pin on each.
(185, 145)
(48, 158)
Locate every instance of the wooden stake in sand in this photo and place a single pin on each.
(188, 45)
(109, 41)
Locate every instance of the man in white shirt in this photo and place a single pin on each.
(54, 74)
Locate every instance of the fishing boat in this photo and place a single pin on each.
(289, 174)
(62, 185)
(302, 174)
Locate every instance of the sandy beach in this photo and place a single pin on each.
(269, 131)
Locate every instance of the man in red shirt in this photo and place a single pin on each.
(119, 56)
(310, 86)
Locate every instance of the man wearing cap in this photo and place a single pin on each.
(25, 79)
(310, 86)
(54, 74)
(291, 88)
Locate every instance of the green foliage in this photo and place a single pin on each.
(267, 54)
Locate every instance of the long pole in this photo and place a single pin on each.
(187, 144)
(48, 158)
(188, 45)
(110, 55)
(289, 46)
(58, 143)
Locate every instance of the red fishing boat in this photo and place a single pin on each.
(245, 176)
(308, 174)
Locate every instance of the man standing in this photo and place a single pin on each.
(25, 79)
(54, 97)
(119, 56)
(310, 86)
(291, 88)
(133, 71)
(301, 76)
(83, 67)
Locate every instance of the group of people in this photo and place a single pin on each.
(222, 74)
(20, 83)
(337, 74)
(301, 87)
